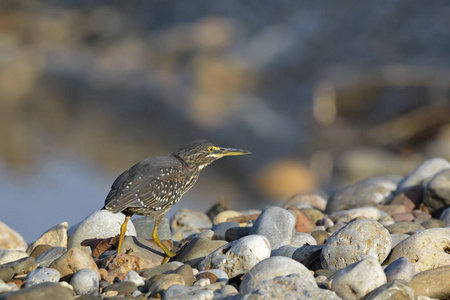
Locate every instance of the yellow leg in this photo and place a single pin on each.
(155, 237)
(123, 229)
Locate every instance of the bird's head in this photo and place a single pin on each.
(201, 153)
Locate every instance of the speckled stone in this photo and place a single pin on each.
(276, 224)
(357, 280)
(85, 282)
(357, 240)
(41, 275)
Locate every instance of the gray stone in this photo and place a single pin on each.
(437, 193)
(403, 227)
(198, 249)
(300, 239)
(397, 289)
(389, 182)
(273, 267)
(134, 277)
(346, 216)
(398, 237)
(189, 222)
(221, 229)
(427, 249)
(144, 228)
(401, 268)
(21, 265)
(290, 286)
(445, 216)
(43, 291)
(307, 254)
(227, 292)
(99, 224)
(6, 273)
(187, 273)
(238, 257)
(355, 241)
(148, 251)
(85, 282)
(357, 280)
(221, 275)
(178, 291)
(426, 169)
(161, 269)
(357, 195)
(122, 287)
(236, 233)
(276, 224)
(47, 257)
(41, 275)
(286, 250)
(7, 287)
(7, 255)
(159, 286)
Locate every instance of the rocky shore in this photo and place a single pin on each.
(381, 238)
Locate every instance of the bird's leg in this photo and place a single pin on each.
(123, 229)
(155, 237)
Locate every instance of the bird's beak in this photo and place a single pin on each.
(230, 151)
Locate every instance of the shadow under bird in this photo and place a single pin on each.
(152, 186)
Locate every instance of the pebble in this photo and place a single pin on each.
(148, 251)
(238, 257)
(189, 222)
(7, 255)
(345, 216)
(355, 281)
(397, 289)
(289, 287)
(302, 222)
(214, 275)
(410, 198)
(39, 249)
(424, 170)
(236, 233)
(401, 268)
(426, 249)
(313, 214)
(47, 257)
(186, 272)
(99, 224)
(134, 277)
(6, 273)
(178, 291)
(120, 264)
(197, 249)
(355, 241)
(40, 275)
(321, 236)
(276, 224)
(122, 287)
(307, 254)
(10, 239)
(286, 250)
(160, 285)
(223, 216)
(21, 265)
(7, 287)
(150, 272)
(55, 237)
(403, 227)
(144, 228)
(221, 229)
(433, 223)
(273, 267)
(437, 195)
(432, 283)
(398, 237)
(45, 290)
(358, 195)
(314, 200)
(408, 217)
(445, 216)
(85, 282)
(74, 260)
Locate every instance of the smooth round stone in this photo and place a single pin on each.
(397, 289)
(47, 257)
(122, 287)
(39, 249)
(311, 199)
(286, 250)
(6, 274)
(307, 253)
(55, 237)
(227, 291)
(398, 237)
(10, 239)
(302, 222)
(313, 214)
(424, 170)
(399, 217)
(332, 229)
(401, 268)
(223, 216)
(239, 256)
(85, 282)
(437, 194)
(160, 285)
(187, 273)
(134, 277)
(320, 236)
(150, 272)
(427, 249)
(389, 182)
(21, 265)
(198, 249)
(345, 216)
(403, 227)
(150, 252)
(178, 291)
(236, 233)
(202, 282)
(74, 260)
(273, 267)
(45, 290)
(217, 273)
(220, 229)
(433, 223)
(357, 280)
(357, 240)
(276, 224)
(5, 287)
(189, 222)
(445, 216)
(41, 275)
(289, 287)
(7, 255)
(144, 228)
(357, 195)
(99, 224)
(432, 283)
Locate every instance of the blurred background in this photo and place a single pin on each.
(324, 93)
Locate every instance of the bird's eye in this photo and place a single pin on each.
(211, 149)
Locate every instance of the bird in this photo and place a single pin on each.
(151, 187)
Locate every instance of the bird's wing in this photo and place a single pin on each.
(152, 188)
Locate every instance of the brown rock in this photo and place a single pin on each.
(420, 214)
(410, 198)
(74, 260)
(55, 237)
(10, 239)
(303, 223)
(223, 216)
(39, 249)
(320, 236)
(433, 223)
(403, 217)
(120, 264)
(160, 285)
(403, 227)
(208, 275)
(313, 214)
(432, 283)
(186, 272)
(391, 209)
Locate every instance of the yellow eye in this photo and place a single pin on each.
(211, 149)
